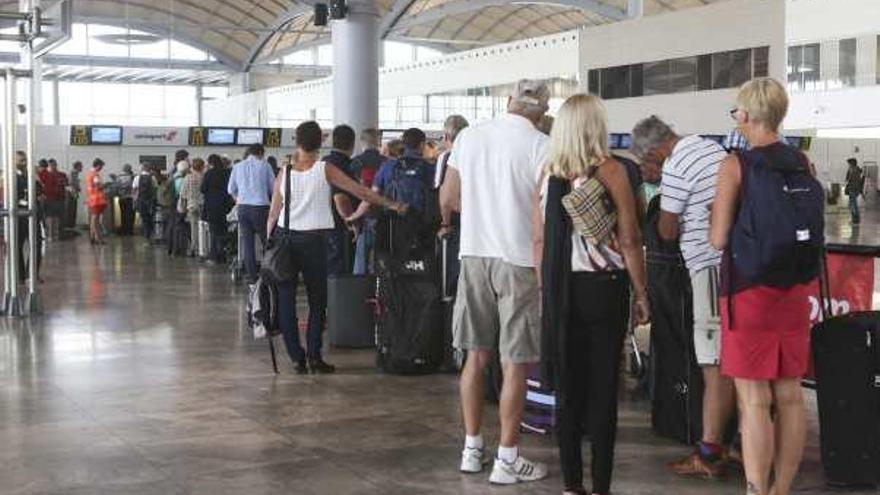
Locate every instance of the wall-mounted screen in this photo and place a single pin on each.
(221, 136)
(626, 141)
(246, 137)
(109, 134)
(614, 141)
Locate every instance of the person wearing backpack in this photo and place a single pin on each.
(768, 216)
(145, 187)
(407, 179)
(689, 172)
(855, 187)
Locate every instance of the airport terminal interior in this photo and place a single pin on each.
(135, 358)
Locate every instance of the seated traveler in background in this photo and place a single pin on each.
(766, 319)
(300, 223)
(586, 290)
(251, 185)
(689, 173)
(218, 202)
(191, 201)
(340, 242)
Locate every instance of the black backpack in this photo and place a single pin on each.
(146, 190)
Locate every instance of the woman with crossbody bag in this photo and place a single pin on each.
(299, 218)
(589, 256)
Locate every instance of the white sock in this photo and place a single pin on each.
(475, 442)
(508, 454)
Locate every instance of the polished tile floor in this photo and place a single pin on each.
(141, 378)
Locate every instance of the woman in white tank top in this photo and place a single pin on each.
(300, 223)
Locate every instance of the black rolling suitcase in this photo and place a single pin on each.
(410, 322)
(677, 382)
(350, 311)
(846, 352)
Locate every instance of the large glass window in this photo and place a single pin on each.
(127, 104)
(803, 67)
(615, 82)
(731, 69)
(847, 62)
(680, 75)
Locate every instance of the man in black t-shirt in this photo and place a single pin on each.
(339, 242)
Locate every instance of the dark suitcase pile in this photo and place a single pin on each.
(410, 323)
(676, 384)
(846, 352)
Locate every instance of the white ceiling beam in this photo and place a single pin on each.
(286, 17)
(458, 7)
(393, 16)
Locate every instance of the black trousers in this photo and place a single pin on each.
(126, 210)
(310, 258)
(219, 233)
(597, 328)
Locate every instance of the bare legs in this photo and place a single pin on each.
(95, 228)
(513, 396)
(719, 401)
(769, 446)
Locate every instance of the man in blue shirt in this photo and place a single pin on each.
(251, 186)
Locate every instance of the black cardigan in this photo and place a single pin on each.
(556, 273)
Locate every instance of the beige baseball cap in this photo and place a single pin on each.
(532, 92)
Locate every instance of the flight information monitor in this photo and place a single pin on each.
(246, 137)
(221, 136)
(109, 134)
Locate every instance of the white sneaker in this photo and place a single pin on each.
(473, 460)
(520, 470)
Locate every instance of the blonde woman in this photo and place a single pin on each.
(586, 290)
(767, 354)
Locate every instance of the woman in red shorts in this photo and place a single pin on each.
(765, 330)
(96, 200)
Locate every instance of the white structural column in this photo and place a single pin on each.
(635, 9)
(356, 66)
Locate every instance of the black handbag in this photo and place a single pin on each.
(278, 265)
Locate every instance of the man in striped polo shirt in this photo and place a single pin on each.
(690, 169)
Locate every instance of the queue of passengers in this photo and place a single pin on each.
(531, 287)
(503, 188)
(590, 289)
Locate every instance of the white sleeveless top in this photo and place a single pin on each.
(310, 208)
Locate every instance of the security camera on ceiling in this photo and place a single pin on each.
(321, 14)
(338, 9)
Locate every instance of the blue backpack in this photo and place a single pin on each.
(409, 183)
(779, 234)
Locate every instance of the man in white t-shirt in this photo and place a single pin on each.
(689, 176)
(492, 178)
